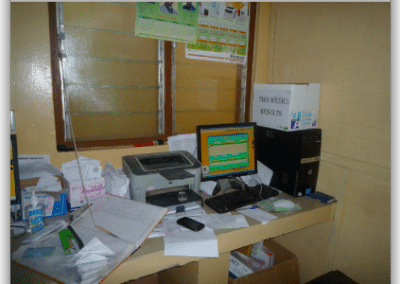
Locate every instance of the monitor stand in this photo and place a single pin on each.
(224, 184)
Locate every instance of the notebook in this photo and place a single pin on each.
(128, 222)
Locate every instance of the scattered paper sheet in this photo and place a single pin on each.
(179, 241)
(212, 221)
(117, 183)
(36, 169)
(264, 173)
(157, 232)
(208, 187)
(127, 219)
(186, 142)
(91, 169)
(188, 207)
(225, 221)
(94, 251)
(258, 214)
(27, 159)
(195, 212)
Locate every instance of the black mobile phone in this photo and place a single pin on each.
(190, 224)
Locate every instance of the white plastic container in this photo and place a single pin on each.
(34, 211)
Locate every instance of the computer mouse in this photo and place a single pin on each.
(284, 204)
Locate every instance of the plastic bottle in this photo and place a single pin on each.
(34, 212)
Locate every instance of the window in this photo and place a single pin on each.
(119, 89)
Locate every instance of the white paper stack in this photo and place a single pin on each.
(91, 169)
(94, 182)
(179, 241)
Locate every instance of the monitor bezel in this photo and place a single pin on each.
(14, 149)
(227, 125)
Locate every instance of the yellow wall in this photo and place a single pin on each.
(343, 46)
(346, 48)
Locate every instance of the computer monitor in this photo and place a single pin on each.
(226, 151)
(15, 187)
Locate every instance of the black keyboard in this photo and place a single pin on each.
(232, 200)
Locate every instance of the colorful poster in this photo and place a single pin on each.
(222, 32)
(174, 21)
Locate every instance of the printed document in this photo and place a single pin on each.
(180, 241)
(130, 220)
(258, 214)
(225, 221)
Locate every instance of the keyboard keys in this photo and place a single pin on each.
(236, 199)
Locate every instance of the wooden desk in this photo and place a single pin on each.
(149, 258)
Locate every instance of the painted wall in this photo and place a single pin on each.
(346, 48)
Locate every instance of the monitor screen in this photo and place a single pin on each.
(226, 150)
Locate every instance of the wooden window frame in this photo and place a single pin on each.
(63, 145)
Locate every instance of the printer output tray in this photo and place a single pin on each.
(171, 198)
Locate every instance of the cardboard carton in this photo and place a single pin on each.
(95, 189)
(287, 107)
(285, 270)
(247, 250)
(59, 207)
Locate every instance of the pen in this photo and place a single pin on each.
(247, 207)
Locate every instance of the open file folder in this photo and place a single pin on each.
(129, 220)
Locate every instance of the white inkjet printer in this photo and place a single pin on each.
(164, 173)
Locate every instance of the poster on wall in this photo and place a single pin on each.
(222, 32)
(174, 21)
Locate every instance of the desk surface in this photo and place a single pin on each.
(149, 258)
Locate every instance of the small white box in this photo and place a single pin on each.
(95, 189)
(287, 107)
(237, 268)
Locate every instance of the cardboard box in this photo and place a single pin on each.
(264, 254)
(59, 207)
(149, 279)
(287, 107)
(247, 250)
(240, 265)
(95, 189)
(285, 270)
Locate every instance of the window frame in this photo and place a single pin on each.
(64, 145)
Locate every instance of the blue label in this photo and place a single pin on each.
(36, 217)
(296, 115)
(295, 124)
(36, 229)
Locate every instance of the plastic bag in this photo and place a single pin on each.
(117, 183)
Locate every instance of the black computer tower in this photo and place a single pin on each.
(293, 156)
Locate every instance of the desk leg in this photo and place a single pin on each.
(206, 271)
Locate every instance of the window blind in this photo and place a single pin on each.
(111, 77)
